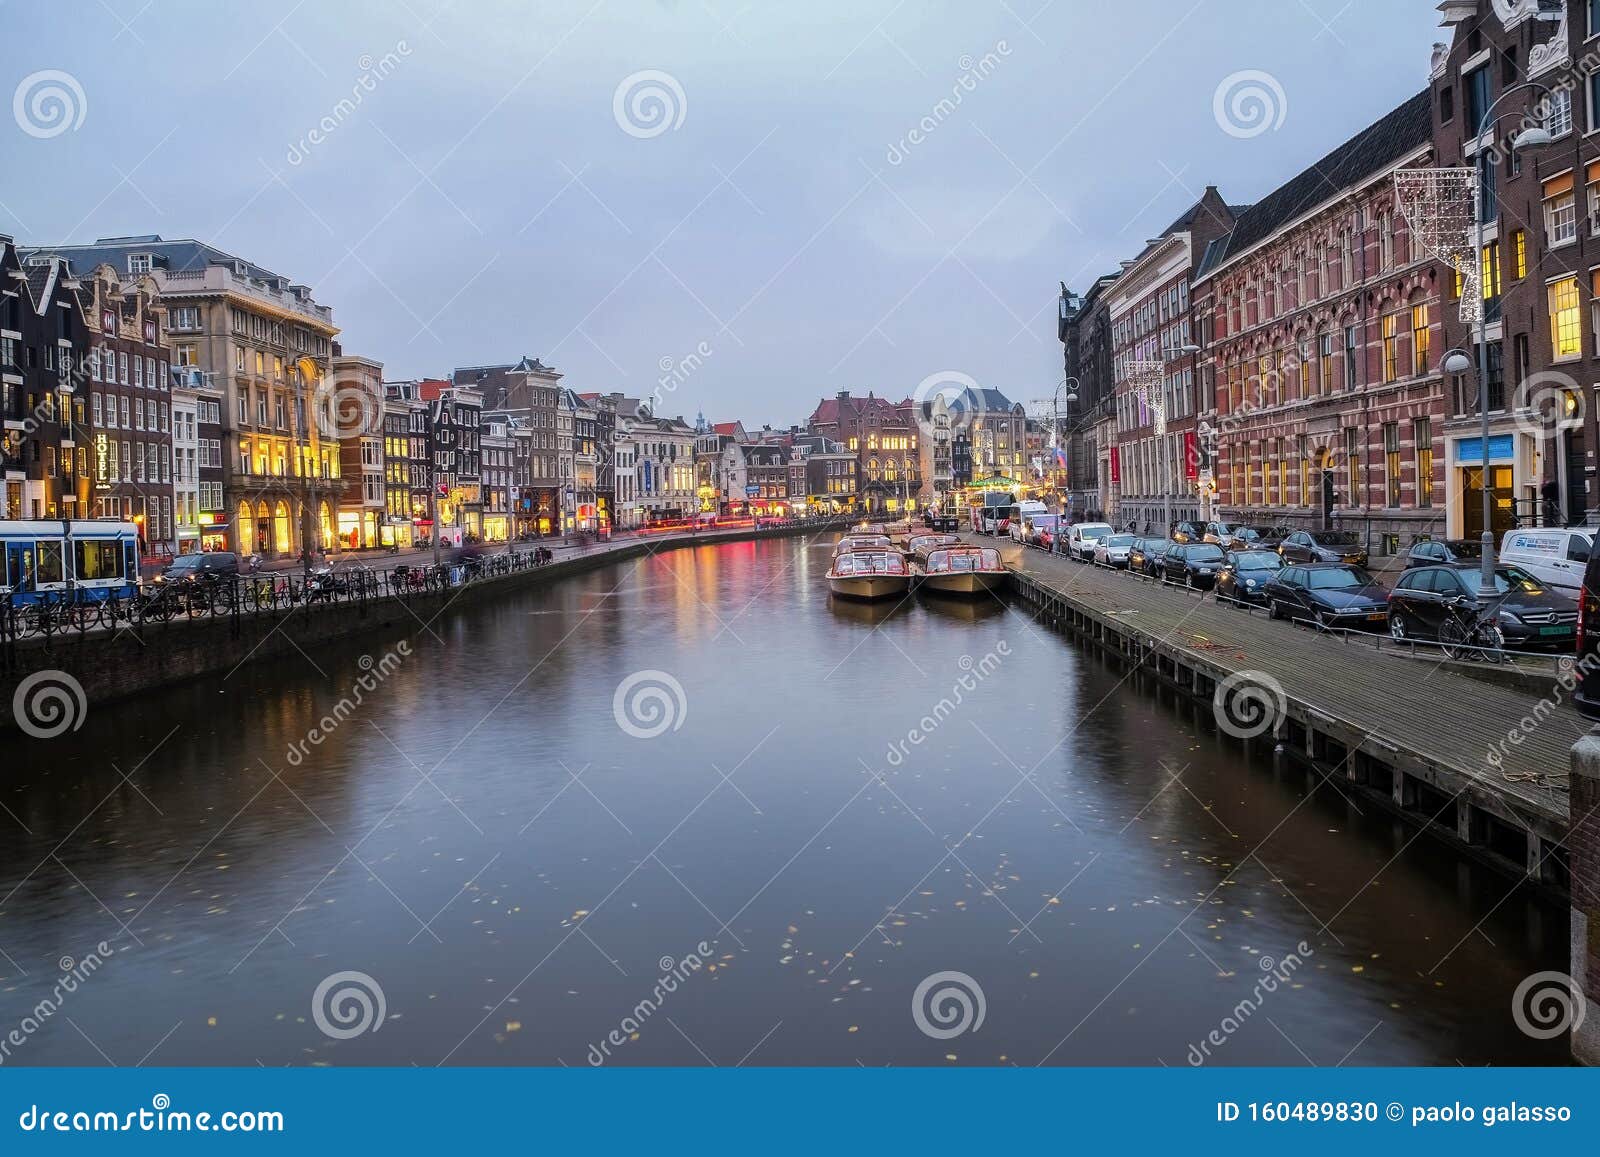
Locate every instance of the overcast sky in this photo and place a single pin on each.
(494, 188)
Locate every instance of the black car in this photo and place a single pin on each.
(1194, 564)
(1245, 574)
(1322, 546)
(202, 567)
(1144, 556)
(1328, 594)
(1530, 616)
(1444, 550)
(1254, 538)
(1586, 697)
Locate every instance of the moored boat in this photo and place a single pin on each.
(918, 546)
(962, 570)
(869, 574)
(852, 542)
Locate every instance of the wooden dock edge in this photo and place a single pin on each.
(1512, 834)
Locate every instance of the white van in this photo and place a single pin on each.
(1555, 557)
(1083, 536)
(1022, 514)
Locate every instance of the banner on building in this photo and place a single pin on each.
(1191, 456)
(1116, 465)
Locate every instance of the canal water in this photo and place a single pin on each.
(691, 810)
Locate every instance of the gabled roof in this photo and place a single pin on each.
(182, 254)
(1375, 148)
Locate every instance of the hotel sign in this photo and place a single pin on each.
(102, 473)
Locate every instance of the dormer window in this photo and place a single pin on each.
(138, 263)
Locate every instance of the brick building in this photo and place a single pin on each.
(44, 451)
(1541, 249)
(884, 438)
(1322, 329)
(130, 404)
(1084, 328)
(1151, 321)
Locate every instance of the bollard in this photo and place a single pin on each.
(1583, 840)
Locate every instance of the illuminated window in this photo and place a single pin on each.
(1352, 454)
(1271, 479)
(1326, 363)
(1391, 462)
(1423, 433)
(1519, 254)
(1565, 327)
(1419, 340)
(1491, 272)
(1391, 347)
(1305, 472)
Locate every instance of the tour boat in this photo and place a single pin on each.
(852, 542)
(869, 574)
(962, 570)
(918, 546)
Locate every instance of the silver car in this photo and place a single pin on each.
(1113, 549)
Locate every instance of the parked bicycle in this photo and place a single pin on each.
(1471, 633)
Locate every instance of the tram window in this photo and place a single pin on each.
(96, 560)
(49, 570)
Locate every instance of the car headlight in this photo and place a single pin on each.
(1510, 619)
(1251, 583)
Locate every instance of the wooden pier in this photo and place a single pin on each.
(1428, 743)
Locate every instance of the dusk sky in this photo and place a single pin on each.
(493, 188)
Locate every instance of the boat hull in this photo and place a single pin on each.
(869, 586)
(968, 582)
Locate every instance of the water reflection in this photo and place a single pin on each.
(847, 799)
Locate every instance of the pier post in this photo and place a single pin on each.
(1583, 842)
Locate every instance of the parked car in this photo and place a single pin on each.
(1556, 558)
(1081, 537)
(1185, 532)
(1144, 556)
(1038, 528)
(1328, 594)
(1444, 550)
(1323, 546)
(1245, 574)
(1113, 549)
(1194, 564)
(1255, 538)
(1220, 533)
(1530, 616)
(1586, 697)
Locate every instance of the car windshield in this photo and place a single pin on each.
(1465, 549)
(1337, 578)
(1119, 540)
(1246, 533)
(1093, 530)
(1511, 579)
(1333, 538)
(1205, 552)
(1264, 560)
(187, 562)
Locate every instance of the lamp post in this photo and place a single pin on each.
(1456, 361)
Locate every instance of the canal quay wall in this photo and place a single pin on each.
(1473, 763)
(108, 665)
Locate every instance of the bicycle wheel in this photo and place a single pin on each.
(1453, 637)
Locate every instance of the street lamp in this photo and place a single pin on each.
(1456, 361)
